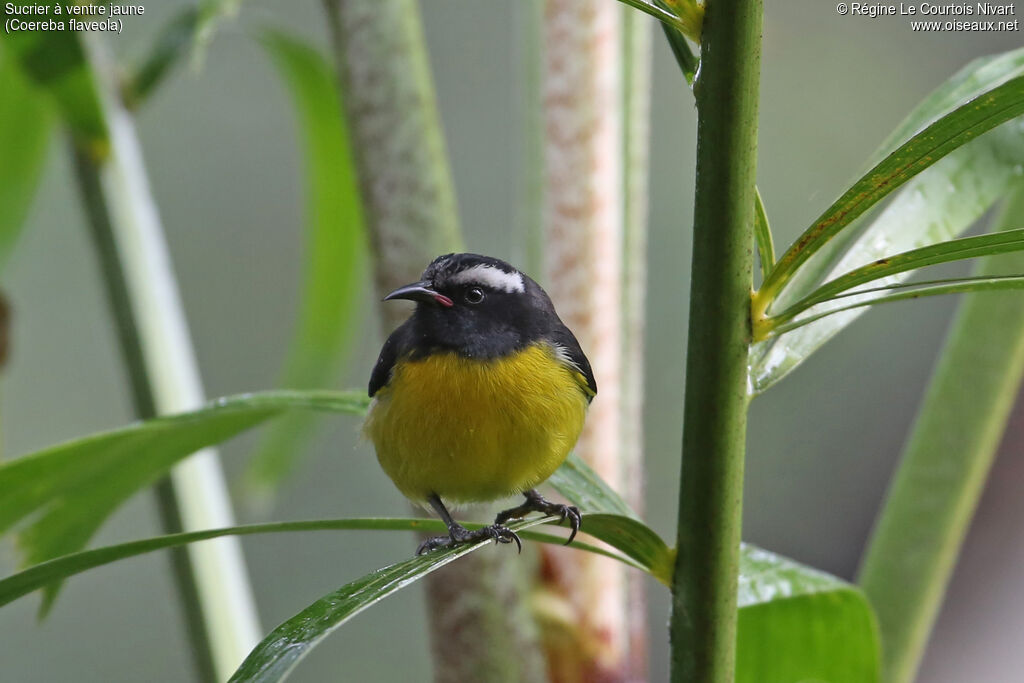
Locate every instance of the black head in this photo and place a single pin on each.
(476, 305)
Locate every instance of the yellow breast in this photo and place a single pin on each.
(475, 430)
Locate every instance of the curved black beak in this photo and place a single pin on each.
(420, 291)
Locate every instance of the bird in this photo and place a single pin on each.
(479, 395)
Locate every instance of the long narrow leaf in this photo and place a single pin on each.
(979, 115)
(41, 575)
(25, 125)
(70, 489)
(942, 215)
(583, 487)
(945, 464)
(171, 44)
(937, 205)
(763, 235)
(687, 22)
(962, 286)
(55, 61)
(212, 16)
(687, 61)
(278, 654)
(795, 623)
(335, 252)
(944, 252)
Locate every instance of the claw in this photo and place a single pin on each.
(433, 543)
(459, 535)
(536, 503)
(575, 520)
(505, 535)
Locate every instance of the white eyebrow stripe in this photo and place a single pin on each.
(492, 277)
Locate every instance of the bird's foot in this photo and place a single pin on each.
(459, 535)
(537, 503)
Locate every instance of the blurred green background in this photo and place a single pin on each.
(220, 144)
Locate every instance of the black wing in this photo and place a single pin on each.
(389, 353)
(569, 351)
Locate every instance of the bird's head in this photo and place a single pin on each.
(477, 305)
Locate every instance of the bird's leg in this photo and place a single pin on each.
(536, 503)
(458, 534)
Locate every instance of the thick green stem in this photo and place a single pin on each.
(918, 537)
(703, 627)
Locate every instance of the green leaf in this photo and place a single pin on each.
(335, 252)
(968, 83)
(914, 290)
(975, 78)
(52, 571)
(945, 464)
(278, 654)
(686, 18)
(882, 269)
(170, 45)
(583, 487)
(763, 234)
(25, 125)
(937, 205)
(70, 489)
(687, 61)
(983, 112)
(635, 540)
(797, 624)
(56, 61)
(212, 15)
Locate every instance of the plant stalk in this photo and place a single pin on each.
(583, 211)
(87, 175)
(164, 378)
(636, 91)
(703, 625)
(919, 533)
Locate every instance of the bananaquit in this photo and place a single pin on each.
(480, 394)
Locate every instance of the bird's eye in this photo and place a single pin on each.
(474, 295)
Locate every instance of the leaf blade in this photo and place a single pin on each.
(772, 588)
(801, 624)
(335, 237)
(69, 489)
(937, 205)
(281, 651)
(45, 573)
(25, 127)
(967, 122)
(945, 464)
(583, 487)
(932, 288)
(944, 252)
(56, 62)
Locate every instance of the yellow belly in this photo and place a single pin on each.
(471, 430)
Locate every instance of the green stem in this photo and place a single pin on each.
(945, 464)
(90, 191)
(703, 626)
(636, 91)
